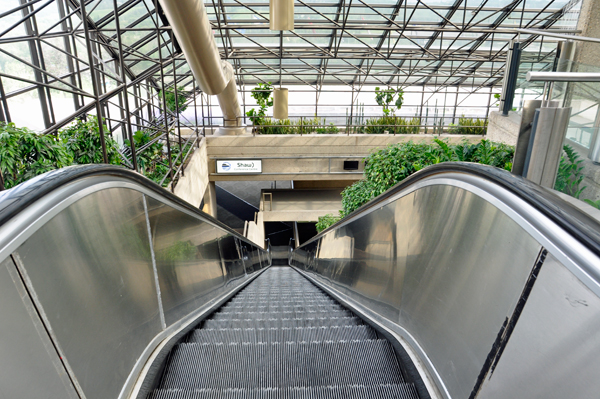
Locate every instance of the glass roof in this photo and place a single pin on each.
(349, 43)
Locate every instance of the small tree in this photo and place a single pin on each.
(82, 141)
(390, 96)
(262, 94)
(171, 101)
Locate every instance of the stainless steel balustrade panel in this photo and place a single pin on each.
(188, 260)
(29, 364)
(441, 262)
(91, 270)
(554, 351)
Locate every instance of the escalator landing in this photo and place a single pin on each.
(282, 337)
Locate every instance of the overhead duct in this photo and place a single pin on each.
(189, 21)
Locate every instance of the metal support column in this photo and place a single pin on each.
(510, 77)
(125, 94)
(99, 113)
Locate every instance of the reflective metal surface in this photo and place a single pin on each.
(84, 251)
(554, 351)
(91, 270)
(194, 260)
(25, 349)
(431, 262)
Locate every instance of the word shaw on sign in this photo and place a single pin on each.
(240, 166)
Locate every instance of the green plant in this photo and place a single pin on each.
(262, 94)
(25, 154)
(276, 126)
(326, 221)
(386, 97)
(468, 126)
(570, 175)
(172, 103)
(177, 252)
(82, 141)
(151, 158)
(595, 204)
(389, 166)
(393, 124)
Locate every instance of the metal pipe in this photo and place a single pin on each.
(563, 77)
(558, 35)
(189, 21)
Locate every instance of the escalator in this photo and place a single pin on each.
(462, 282)
(282, 337)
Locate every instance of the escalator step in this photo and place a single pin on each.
(298, 334)
(276, 307)
(388, 391)
(366, 362)
(286, 314)
(277, 323)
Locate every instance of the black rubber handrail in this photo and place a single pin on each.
(566, 215)
(17, 199)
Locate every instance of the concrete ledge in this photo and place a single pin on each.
(296, 151)
(192, 185)
(504, 129)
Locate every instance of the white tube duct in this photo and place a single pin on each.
(189, 21)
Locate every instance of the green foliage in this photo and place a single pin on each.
(179, 251)
(570, 173)
(356, 195)
(82, 141)
(468, 126)
(390, 96)
(152, 160)
(25, 154)
(393, 124)
(300, 126)
(389, 166)
(595, 204)
(172, 102)
(326, 221)
(262, 94)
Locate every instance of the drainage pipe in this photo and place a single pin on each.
(190, 24)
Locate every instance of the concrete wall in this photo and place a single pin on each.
(192, 185)
(297, 150)
(589, 54)
(504, 129)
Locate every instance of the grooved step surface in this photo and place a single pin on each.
(282, 337)
(287, 334)
(387, 391)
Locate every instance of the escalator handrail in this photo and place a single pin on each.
(19, 198)
(564, 214)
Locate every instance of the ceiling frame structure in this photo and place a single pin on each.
(441, 46)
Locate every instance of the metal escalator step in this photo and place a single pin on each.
(365, 362)
(275, 307)
(289, 334)
(286, 314)
(387, 391)
(276, 322)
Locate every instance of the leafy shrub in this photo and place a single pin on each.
(392, 124)
(275, 126)
(82, 141)
(300, 126)
(469, 126)
(570, 175)
(170, 99)
(152, 159)
(389, 166)
(25, 154)
(326, 221)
